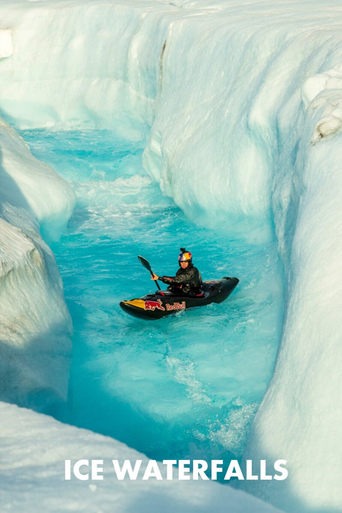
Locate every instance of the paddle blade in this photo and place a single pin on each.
(145, 263)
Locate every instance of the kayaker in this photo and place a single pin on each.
(188, 279)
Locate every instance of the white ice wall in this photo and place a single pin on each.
(34, 322)
(301, 414)
(89, 64)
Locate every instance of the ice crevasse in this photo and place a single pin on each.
(240, 105)
(35, 351)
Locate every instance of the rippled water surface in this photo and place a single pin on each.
(183, 386)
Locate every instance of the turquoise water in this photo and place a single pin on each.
(184, 386)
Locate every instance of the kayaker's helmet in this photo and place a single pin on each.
(184, 256)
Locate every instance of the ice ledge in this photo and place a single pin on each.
(322, 94)
(31, 187)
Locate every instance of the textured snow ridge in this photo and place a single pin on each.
(28, 466)
(35, 325)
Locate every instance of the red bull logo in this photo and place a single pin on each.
(152, 305)
(176, 306)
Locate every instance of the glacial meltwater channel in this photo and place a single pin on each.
(184, 386)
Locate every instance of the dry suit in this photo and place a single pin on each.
(187, 281)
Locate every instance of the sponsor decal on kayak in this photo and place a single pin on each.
(176, 306)
(152, 305)
(158, 305)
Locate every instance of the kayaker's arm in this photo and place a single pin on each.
(182, 277)
(166, 279)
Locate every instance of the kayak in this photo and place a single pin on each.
(164, 302)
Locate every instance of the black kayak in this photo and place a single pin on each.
(163, 303)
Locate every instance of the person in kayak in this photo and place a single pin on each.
(188, 280)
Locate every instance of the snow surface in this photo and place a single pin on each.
(34, 447)
(243, 100)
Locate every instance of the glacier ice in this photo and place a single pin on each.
(33, 473)
(35, 325)
(241, 104)
(301, 412)
(96, 75)
(49, 205)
